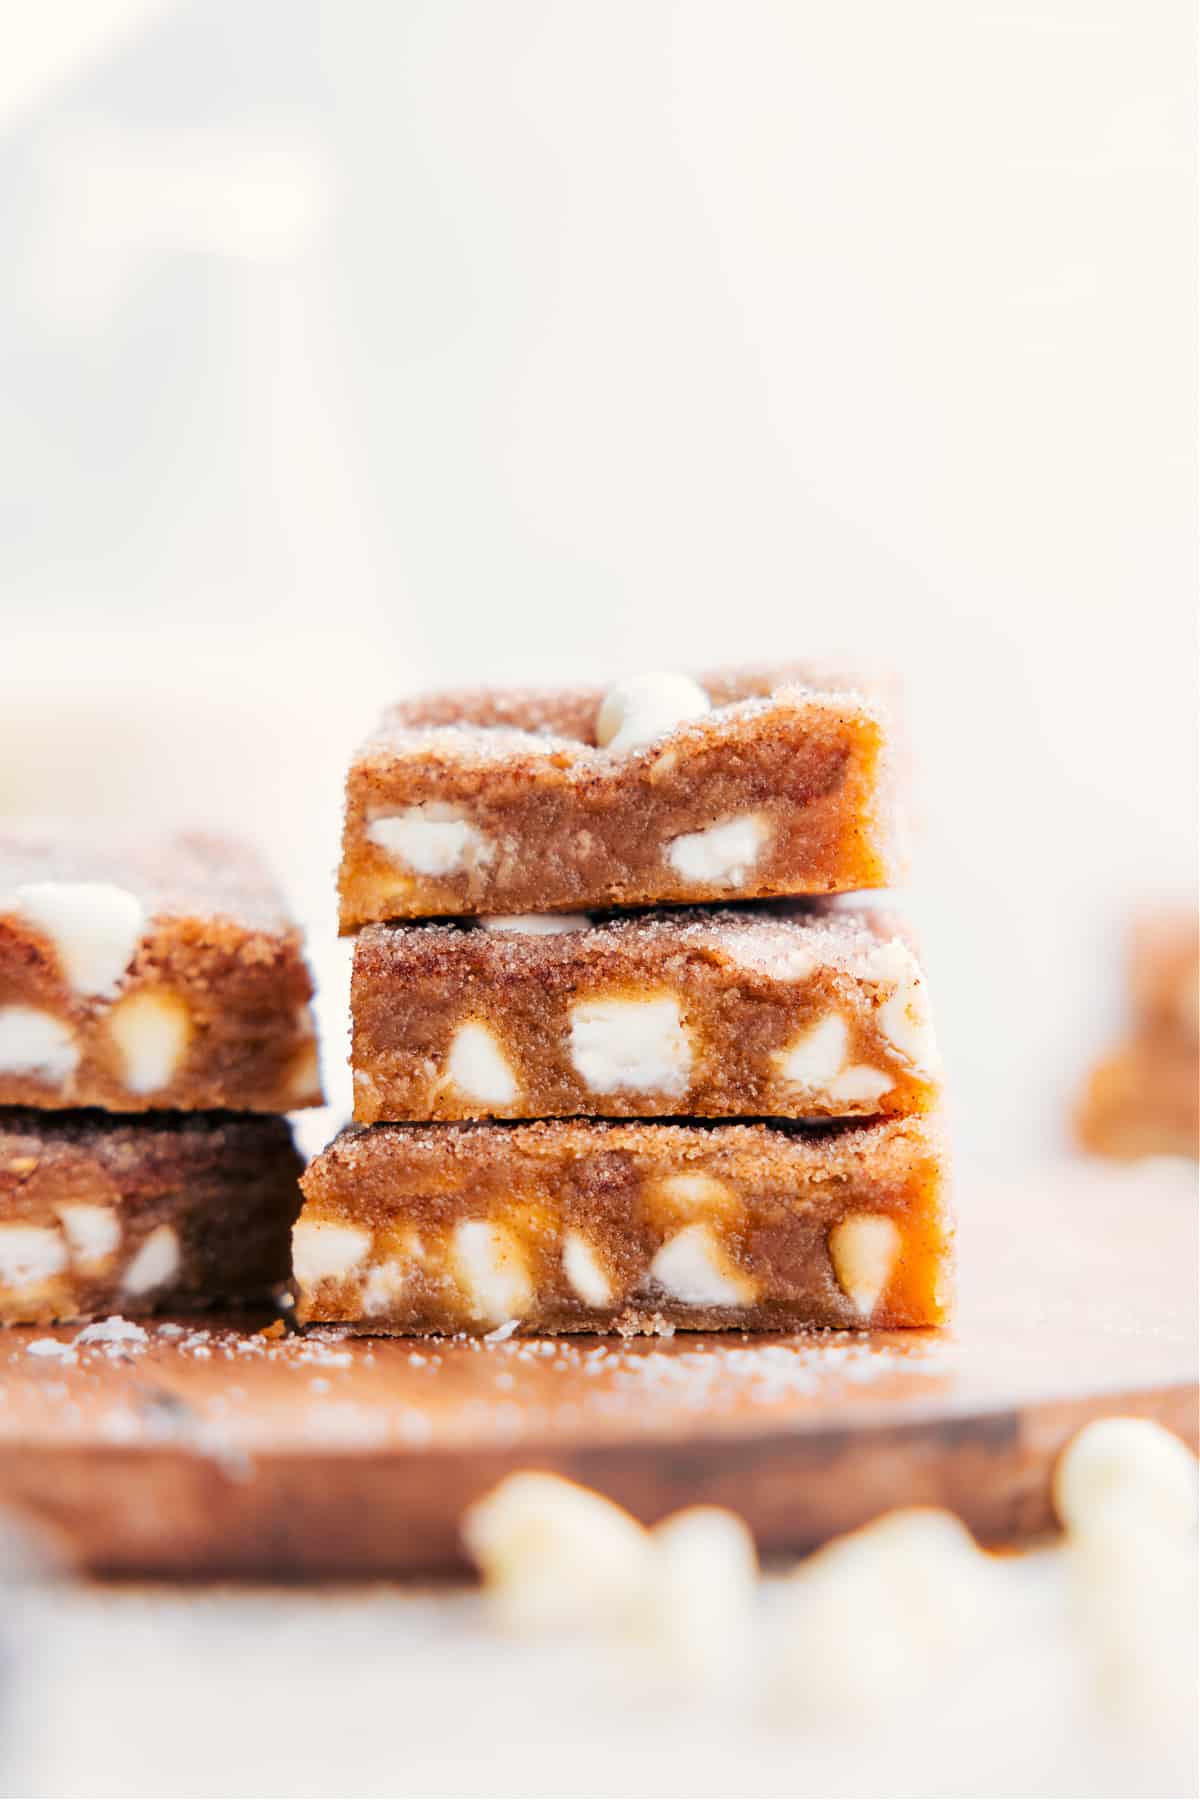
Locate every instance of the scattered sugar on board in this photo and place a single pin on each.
(113, 1330)
(51, 1347)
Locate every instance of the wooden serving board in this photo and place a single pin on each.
(208, 1451)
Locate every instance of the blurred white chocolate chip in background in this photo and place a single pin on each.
(644, 708)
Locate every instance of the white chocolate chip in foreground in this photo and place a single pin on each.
(432, 839)
(325, 1251)
(93, 1233)
(156, 1262)
(701, 1599)
(95, 929)
(640, 711)
(152, 1029)
(584, 1272)
(478, 1067)
(863, 1249)
(554, 1556)
(537, 924)
(30, 1255)
(904, 1019)
(635, 1044)
(1126, 1469)
(720, 856)
(881, 1616)
(693, 1269)
(816, 1058)
(34, 1042)
(491, 1270)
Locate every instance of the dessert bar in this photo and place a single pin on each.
(743, 785)
(162, 976)
(100, 1213)
(763, 1010)
(574, 1225)
(1142, 1100)
(1164, 971)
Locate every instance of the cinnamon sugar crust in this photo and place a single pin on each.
(764, 1010)
(100, 1213)
(495, 801)
(578, 1225)
(205, 1005)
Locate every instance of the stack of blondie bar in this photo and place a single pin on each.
(154, 1026)
(620, 1077)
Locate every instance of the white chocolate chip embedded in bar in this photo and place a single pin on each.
(431, 839)
(863, 1249)
(151, 1029)
(94, 926)
(621, 1041)
(721, 855)
(586, 1225)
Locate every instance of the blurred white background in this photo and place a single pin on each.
(350, 348)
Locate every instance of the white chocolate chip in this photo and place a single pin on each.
(642, 710)
(323, 1251)
(156, 1262)
(383, 1287)
(432, 838)
(904, 1019)
(93, 1233)
(30, 1254)
(152, 1029)
(95, 929)
(701, 1599)
(693, 1269)
(860, 1083)
(554, 1556)
(722, 855)
(690, 1194)
(584, 1271)
(537, 924)
(815, 1059)
(492, 1272)
(626, 1043)
(863, 1249)
(34, 1042)
(1119, 1468)
(304, 1075)
(478, 1067)
(877, 1618)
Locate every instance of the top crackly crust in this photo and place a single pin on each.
(564, 823)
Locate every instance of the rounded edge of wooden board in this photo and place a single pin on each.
(172, 1513)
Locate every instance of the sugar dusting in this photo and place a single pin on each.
(346, 1392)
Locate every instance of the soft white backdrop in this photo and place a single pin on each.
(346, 348)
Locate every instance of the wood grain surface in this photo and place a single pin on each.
(208, 1451)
